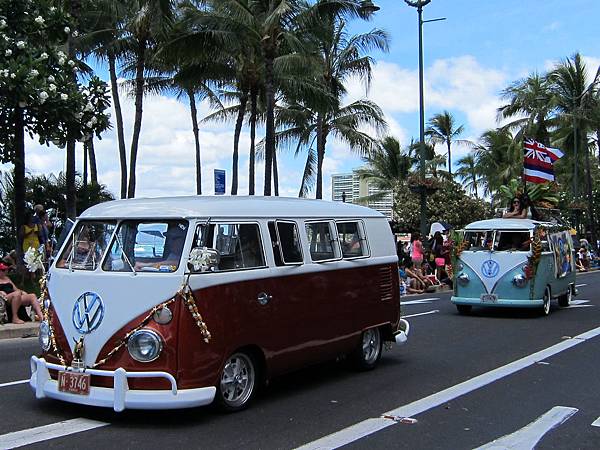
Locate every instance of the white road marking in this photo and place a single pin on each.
(580, 285)
(52, 431)
(596, 423)
(369, 426)
(579, 306)
(420, 301)
(13, 383)
(421, 314)
(579, 302)
(528, 436)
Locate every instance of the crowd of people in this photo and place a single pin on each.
(422, 267)
(34, 234)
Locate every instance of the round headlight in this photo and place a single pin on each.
(463, 279)
(144, 345)
(460, 266)
(519, 281)
(44, 336)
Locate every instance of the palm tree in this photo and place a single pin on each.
(387, 165)
(147, 22)
(340, 57)
(104, 39)
(468, 172)
(530, 105)
(575, 103)
(499, 159)
(442, 129)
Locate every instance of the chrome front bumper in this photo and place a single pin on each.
(401, 336)
(120, 396)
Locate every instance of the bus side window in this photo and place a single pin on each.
(320, 241)
(285, 239)
(275, 244)
(352, 239)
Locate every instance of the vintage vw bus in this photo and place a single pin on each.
(514, 262)
(176, 302)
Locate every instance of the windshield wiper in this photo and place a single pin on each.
(124, 254)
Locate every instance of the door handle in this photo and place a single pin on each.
(263, 298)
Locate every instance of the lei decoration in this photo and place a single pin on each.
(34, 260)
(185, 293)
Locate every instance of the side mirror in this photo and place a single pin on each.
(203, 259)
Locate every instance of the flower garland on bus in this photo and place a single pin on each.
(185, 293)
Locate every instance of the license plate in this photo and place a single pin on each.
(489, 298)
(74, 383)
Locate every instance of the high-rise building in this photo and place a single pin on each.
(349, 187)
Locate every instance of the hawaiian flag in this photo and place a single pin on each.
(539, 162)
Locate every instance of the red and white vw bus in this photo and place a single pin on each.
(179, 302)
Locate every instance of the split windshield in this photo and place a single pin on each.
(499, 240)
(86, 245)
(147, 246)
(136, 245)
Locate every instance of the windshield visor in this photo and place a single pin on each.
(147, 246)
(86, 246)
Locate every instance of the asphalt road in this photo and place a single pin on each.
(462, 381)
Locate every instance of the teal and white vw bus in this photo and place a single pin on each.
(513, 263)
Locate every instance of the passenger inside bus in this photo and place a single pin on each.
(512, 241)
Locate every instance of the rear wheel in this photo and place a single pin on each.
(464, 309)
(238, 382)
(367, 354)
(565, 299)
(546, 305)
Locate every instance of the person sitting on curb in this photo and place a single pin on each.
(410, 282)
(417, 281)
(17, 297)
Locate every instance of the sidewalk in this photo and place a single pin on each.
(11, 331)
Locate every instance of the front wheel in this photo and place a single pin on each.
(238, 382)
(565, 299)
(367, 354)
(546, 305)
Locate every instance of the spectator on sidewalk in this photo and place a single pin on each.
(30, 233)
(41, 218)
(16, 297)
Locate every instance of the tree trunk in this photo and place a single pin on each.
(449, 159)
(85, 164)
(137, 125)
(320, 155)
(92, 157)
(592, 221)
(598, 144)
(70, 181)
(119, 117)
(194, 112)
(252, 160)
(236, 142)
(19, 180)
(275, 174)
(475, 185)
(270, 120)
(75, 11)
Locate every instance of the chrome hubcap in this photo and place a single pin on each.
(371, 345)
(237, 381)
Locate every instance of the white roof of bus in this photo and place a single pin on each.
(503, 224)
(225, 206)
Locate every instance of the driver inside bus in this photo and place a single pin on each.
(174, 241)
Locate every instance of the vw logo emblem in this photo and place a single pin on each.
(88, 312)
(490, 268)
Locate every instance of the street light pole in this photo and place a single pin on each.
(419, 4)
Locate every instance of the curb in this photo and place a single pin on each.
(11, 330)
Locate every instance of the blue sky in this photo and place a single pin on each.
(481, 47)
